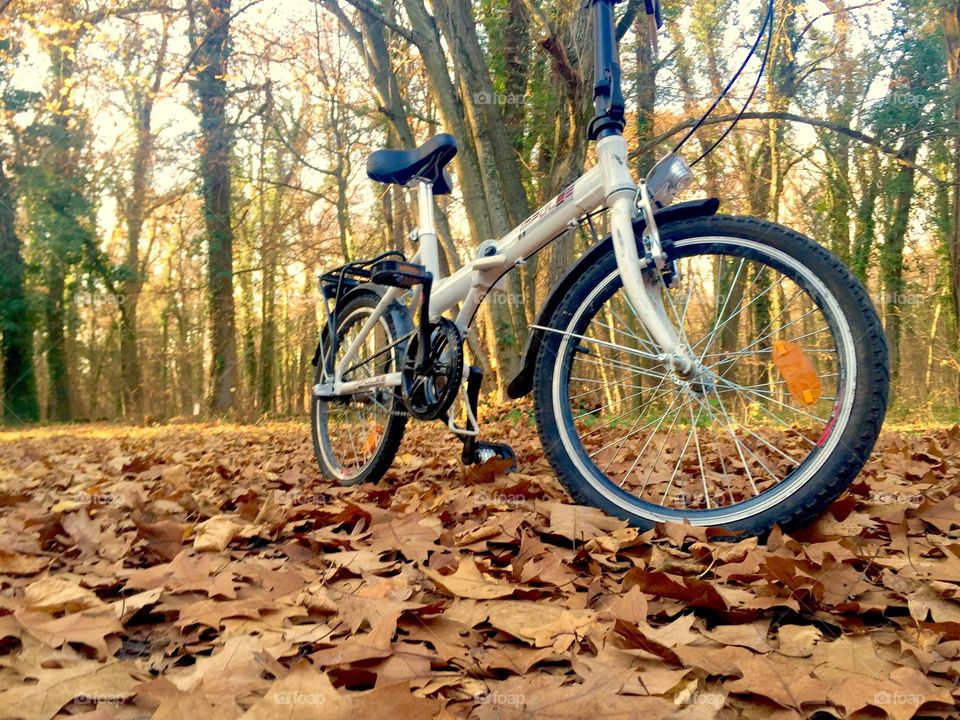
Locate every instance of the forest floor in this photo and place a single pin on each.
(205, 571)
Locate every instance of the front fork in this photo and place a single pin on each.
(644, 297)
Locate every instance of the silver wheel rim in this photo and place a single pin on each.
(355, 439)
(807, 467)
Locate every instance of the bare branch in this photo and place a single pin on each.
(841, 11)
(193, 54)
(888, 150)
(550, 42)
(368, 8)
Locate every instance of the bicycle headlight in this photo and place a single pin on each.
(668, 178)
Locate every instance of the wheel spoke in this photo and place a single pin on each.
(352, 429)
(680, 455)
(601, 343)
(733, 420)
(734, 386)
(633, 429)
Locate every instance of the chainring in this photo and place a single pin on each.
(430, 393)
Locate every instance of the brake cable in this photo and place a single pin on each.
(765, 27)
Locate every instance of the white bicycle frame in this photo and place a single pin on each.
(608, 183)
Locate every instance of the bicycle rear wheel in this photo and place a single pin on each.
(783, 417)
(355, 438)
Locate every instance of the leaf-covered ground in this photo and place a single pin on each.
(207, 572)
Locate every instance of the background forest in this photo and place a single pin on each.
(175, 174)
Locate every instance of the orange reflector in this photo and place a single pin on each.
(373, 438)
(797, 371)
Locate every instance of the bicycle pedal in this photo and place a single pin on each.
(396, 273)
(483, 451)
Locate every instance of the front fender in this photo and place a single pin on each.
(522, 383)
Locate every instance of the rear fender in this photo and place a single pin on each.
(397, 312)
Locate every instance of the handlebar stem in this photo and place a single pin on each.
(610, 115)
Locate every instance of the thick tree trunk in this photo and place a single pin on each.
(480, 213)
(843, 87)
(891, 257)
(646, 98)
(59, 406)
(16, 326)
(212, 42)
(130, 370)
(500, 167)
(372, 44)
(951, 24)
(427, 39)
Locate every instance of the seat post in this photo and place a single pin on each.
(426, 229)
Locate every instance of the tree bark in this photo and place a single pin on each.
(130, 370)
(951, 24)
(865, 227)
(891, 257)
(211, 42)
(844, 89)
(19, 397)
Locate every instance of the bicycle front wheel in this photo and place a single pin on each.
(782, 417)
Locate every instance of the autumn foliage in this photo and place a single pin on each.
(207, 571)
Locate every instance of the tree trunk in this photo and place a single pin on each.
(58, 402)
(891, 256)
(865, 227)
(211, 40)
(130, 370)
(951, 24)
(16, 326)
(844, 88)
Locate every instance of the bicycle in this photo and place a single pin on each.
(690, 366)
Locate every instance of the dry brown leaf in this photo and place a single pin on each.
(469, 582)
(216, 533)
(54, 688)
(55, 594)
(93, 628)
(541, 625)
(307, 694)
(14, 563)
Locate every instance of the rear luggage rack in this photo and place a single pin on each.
(390, 268)
(337, 282)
